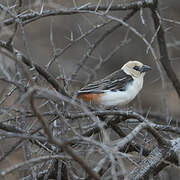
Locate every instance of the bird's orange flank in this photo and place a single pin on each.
(89, 97)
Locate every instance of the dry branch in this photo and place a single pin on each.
(164, 56)
(155, 161)
(40, 69)
(30, 17)
(61, 143)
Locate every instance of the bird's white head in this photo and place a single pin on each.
(135, 68)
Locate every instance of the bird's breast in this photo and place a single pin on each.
(110, 98)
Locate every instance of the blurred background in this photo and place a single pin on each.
(51, 33)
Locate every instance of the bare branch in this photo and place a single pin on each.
(164, 56)
(155, 160)
(32, 161)
(61, 143)
(28, 18)
(41, 70)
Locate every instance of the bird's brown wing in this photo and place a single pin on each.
(116, 81)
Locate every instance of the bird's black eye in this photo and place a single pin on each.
(136, 68)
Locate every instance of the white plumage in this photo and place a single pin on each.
(111, 98)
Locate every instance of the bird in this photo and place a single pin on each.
(118, 88)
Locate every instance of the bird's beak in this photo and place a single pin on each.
(145, 68)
